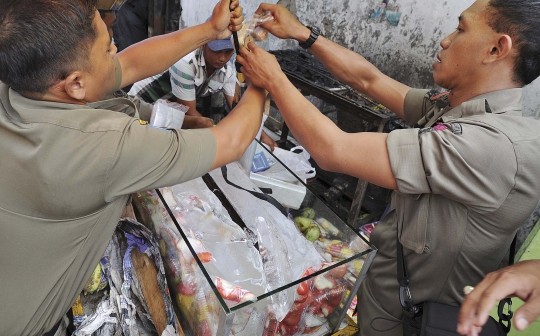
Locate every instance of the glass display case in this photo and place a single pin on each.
(238, 263)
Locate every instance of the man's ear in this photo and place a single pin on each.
(500, 50)
(75, 85)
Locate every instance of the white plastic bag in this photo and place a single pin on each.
(166, 114)
(297, 162)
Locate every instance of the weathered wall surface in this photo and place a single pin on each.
(402, 43)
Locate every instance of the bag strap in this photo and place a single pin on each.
(405, 295)
(507, 318)
(259, 195)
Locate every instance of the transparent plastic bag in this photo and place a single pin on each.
(252, 30)
(297, 160)
(166, 114)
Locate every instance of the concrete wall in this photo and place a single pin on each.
(404, 51)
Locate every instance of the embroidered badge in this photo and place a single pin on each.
(433, 95)
(455, 128)
(440, 127)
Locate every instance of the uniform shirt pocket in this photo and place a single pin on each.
(412, 212)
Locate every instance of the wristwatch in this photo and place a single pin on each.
(315, 32)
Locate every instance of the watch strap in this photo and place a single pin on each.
(315, 32)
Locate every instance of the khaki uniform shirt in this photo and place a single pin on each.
(66, 173)
(465, 185)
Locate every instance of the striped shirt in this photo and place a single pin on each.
(190, 81)
(187, 82)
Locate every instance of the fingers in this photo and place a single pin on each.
(253, 47)
(265, 7)
(237, 13)
(233, 4)
(237, 18)
(273, 145)
(528, 313)
(471, 310)
(494, 288)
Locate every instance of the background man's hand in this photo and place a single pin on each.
(259, 66)
(226, 18)
(521, 280)
(284, 25)
(267, 140)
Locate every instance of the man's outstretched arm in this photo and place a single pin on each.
(235, 132)
(346, 65)
(363, 155)
(155, 55)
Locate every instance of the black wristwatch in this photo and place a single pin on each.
(315, 32)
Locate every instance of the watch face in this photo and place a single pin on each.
(316, 30)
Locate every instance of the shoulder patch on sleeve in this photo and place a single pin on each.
(433, 95)
(455, 128)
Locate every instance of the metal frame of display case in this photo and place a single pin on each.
(228, 312)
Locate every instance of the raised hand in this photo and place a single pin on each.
(284, 25)
(226, 18)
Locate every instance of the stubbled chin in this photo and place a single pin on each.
(437, 79)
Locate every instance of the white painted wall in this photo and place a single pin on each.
(404, 52)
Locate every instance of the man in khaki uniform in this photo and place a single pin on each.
(68, 165)
(465, 177)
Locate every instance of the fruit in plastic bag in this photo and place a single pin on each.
(325, 224)
(303, 223)
(313, 233)
(308, 213)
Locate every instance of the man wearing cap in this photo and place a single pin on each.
(203, 72)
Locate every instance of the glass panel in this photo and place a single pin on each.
(239, 260)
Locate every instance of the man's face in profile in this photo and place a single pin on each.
(100, 75)
(460, 60)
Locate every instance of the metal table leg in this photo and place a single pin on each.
(360, 193)
(282, 142)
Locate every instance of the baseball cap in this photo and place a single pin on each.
(218, 45)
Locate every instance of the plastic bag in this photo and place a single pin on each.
(252, 30)
(297, 160)
(123, 309)
(168, 115)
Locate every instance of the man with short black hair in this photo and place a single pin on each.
(69, 165)
(465, 177)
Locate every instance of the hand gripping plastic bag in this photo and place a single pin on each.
(252, 30)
